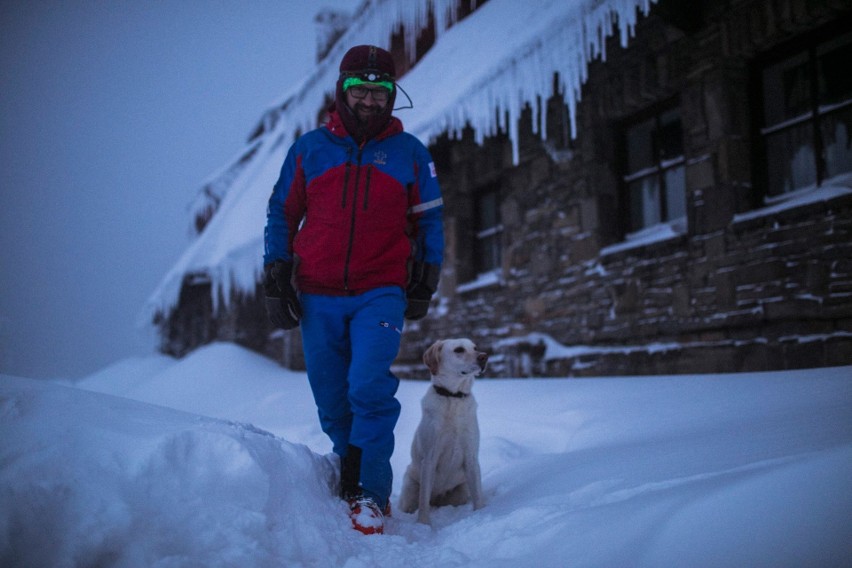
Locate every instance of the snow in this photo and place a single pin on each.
(831, 189)
(482, 280)
(502, 56)
(656, 233)
(217, 460)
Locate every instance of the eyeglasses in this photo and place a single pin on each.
(380, 94)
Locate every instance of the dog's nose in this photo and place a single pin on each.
(482, 359)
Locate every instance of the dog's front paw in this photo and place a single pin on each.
(409, 496)
(423, 517)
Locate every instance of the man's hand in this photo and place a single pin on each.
(421, 287)
(282, 303)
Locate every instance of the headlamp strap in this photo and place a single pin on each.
(355, 81)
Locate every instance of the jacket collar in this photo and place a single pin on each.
(335, 126)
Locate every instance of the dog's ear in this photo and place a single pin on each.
(432, 357)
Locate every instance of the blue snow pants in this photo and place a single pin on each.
(349, 344)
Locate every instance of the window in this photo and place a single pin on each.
(806, 123)
(654, 180)
(488, 231)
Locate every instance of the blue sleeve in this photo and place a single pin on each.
(428, 211)
(284, 210)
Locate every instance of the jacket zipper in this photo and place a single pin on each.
(346, 177)
(367, 185)
(352, 224)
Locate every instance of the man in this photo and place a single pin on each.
(355, 222)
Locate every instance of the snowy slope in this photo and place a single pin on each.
(717, 470)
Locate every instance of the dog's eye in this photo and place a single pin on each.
(459, 350)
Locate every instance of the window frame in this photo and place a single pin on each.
(482, 233)
(816, 115)
(657, 170)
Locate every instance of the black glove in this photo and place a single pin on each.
(282, 303)
(421, 286)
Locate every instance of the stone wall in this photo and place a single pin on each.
(741, 290)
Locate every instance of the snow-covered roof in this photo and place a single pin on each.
(501, 56)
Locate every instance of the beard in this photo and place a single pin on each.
(363, 121)
(364, 113)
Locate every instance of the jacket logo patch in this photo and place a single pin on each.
(380, 158)
(432, 169)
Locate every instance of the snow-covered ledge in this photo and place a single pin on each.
(548, 349)
(650, 235)
(483, 280)
(836, 187)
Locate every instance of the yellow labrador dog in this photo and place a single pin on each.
(444, 466)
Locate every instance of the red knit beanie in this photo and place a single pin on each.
(373, 64)
(364, 59)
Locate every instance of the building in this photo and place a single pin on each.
(630, 188)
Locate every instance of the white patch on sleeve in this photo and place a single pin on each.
(432, 169)
(426, 206)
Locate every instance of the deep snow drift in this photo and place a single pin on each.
(713, 470)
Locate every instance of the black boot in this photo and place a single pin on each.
(350, 473)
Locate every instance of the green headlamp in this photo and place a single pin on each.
(355, 81)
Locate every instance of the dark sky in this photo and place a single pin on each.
(112, 114)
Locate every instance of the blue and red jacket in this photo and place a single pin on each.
(352, 217)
